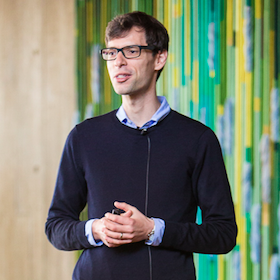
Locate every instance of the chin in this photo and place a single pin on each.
(121, 92)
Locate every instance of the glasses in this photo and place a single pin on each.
(128, 52)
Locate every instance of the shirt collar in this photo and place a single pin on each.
(160, 114)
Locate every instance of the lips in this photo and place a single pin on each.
(122, 77)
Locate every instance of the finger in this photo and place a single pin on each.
(116, 242)
(117, 235)
(127, 214)
(111, 217)
(119, 219)
(124, 206)
(118, 239)
(110, 245)
(124, 226)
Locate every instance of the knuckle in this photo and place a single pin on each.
(113, 228)
(130, 230)
(132, 223)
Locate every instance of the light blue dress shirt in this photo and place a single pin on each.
(161, 113)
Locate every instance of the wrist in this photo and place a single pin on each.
(151, 230)
(94, 228)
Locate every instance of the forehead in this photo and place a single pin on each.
(135, 36)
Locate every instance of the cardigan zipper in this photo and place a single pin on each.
(147, 176)
(146, 200)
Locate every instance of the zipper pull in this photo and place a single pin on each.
(144, 131)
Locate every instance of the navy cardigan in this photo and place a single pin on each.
(167, 172)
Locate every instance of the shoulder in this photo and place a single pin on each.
(93, 127)
(190, 132)
(187, 125)
(97, 121)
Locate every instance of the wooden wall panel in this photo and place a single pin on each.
(37, 102)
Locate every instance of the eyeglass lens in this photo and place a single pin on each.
(128, 52)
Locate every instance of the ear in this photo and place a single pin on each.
(160, 60)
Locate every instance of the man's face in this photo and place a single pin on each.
(135, 75)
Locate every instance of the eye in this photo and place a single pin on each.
(131, 51)
(109, 52)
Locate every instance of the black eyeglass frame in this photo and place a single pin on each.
(152, 48)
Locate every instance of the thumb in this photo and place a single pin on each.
(127, 214)
(124, 206)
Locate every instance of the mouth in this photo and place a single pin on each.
(123, 77)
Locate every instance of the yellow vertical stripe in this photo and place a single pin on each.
(248, 119)
(229, 27)
(195, 81)
(176, 74)
(257, 104)
(187, 38)
(239, 72)
(221, 267)
(89, 11)
(220, 109)
(89, 89)
(177, 10)
(265, 214)
(104, 20)
(271, 58)
(107, 88)
(258, 9)
(166, 21)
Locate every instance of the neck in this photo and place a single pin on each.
(140, 110)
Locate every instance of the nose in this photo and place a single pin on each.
(120, 60)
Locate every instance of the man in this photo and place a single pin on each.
(148, 161)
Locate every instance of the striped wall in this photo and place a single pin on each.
(224, 70)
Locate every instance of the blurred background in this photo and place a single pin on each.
(223, 69)
(37, 101)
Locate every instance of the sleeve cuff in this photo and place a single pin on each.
(156, 238)
(89, 235)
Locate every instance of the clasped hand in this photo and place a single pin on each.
(129, 227)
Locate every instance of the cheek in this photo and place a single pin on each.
(147, 70)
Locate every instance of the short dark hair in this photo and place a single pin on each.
(155, 32)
